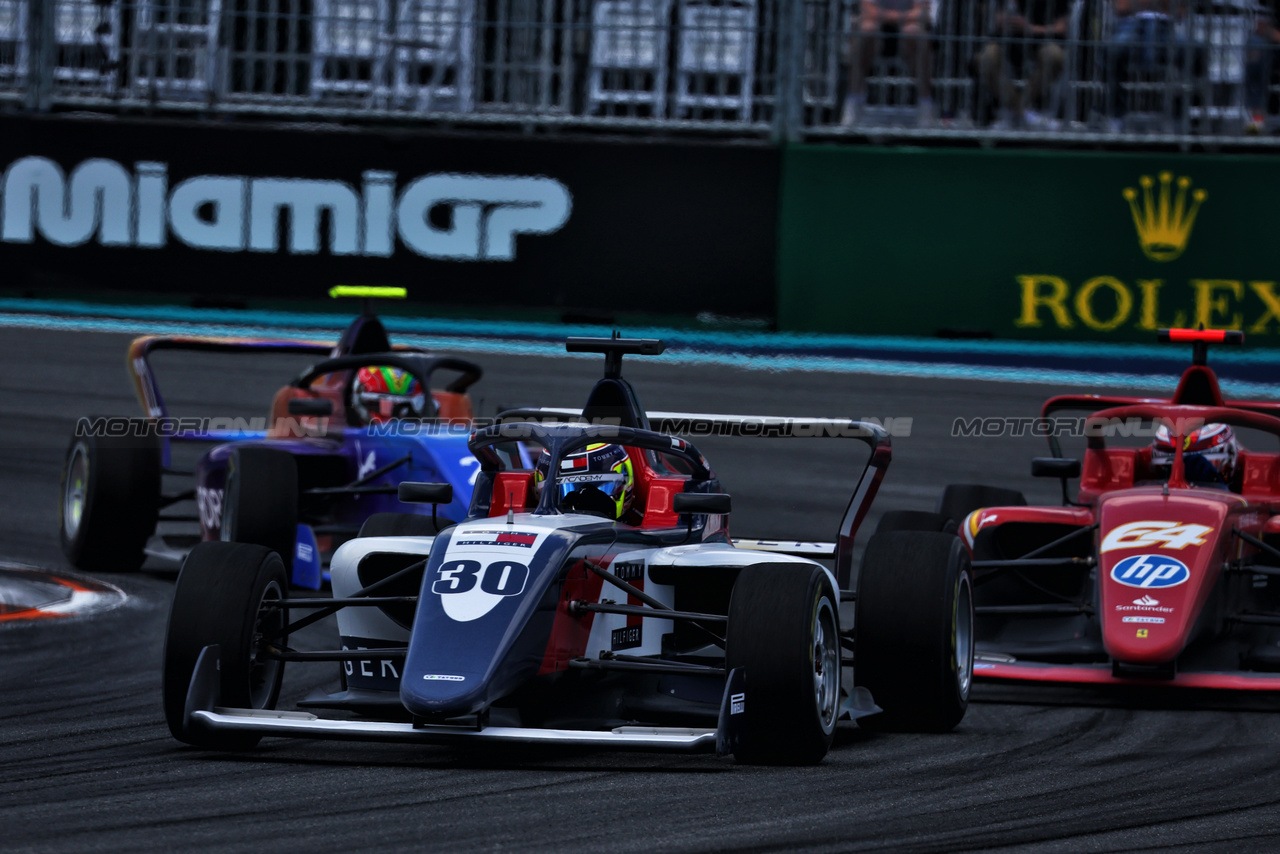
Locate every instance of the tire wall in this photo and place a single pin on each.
(1025, 244)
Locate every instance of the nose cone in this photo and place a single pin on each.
(484, 615)
(450, 694)
(1159, 558)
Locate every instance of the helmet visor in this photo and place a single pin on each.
(390, 405)
(612, 485)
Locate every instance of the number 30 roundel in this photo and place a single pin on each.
(469, 589)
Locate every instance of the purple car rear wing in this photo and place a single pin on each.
(144, 379)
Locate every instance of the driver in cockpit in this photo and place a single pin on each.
(597, 480)
(1209, 455)
(380, 393)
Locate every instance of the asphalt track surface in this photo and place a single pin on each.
(87, 764)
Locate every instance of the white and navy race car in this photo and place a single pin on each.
(594, 597)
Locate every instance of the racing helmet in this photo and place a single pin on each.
(380, 393)
(597, 479)
(1209, 454)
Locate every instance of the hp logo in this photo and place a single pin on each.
(1150, 571)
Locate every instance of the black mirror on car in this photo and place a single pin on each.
(693, 502)
(425, 493)
(1058, 467)
(311, 406)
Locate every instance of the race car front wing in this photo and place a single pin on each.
(203, 713)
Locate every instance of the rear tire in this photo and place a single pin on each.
(110, 501)
(960, 499)
(784, 629)
(914, 631)
(260, 503)
(219, 599)
(402, 525)
(915, 520)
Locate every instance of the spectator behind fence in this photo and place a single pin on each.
(1258, 63)
(882, 22)
(1028, 46)
(1147, 40)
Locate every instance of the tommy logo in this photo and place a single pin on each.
(1169, 535)
(629, 570)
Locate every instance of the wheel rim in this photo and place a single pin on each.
(264, 673)
(74, 492)
(964, 636)
(826, 665)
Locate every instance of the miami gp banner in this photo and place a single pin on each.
(488, 219)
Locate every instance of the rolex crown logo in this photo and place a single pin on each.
(1164, 221)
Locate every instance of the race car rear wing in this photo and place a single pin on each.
(773, 427)
(144, 378)
(148, 388)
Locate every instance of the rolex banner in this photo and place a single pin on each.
(1027, 244)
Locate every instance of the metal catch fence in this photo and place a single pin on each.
(1121, 70)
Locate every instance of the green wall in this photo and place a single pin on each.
(1028, 244)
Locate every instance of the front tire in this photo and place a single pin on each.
(784, 629)
(960, 499)
(223, 597)
(914, 631)
(260, 504)
(110, 501)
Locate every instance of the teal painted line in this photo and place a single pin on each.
(554, 349)
(771, 341)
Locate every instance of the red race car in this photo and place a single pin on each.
(1164, 568)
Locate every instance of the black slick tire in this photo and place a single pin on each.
(784, 630)
(260, 504)
(915, 520)
(960, 499)
(402, 525)
(110, 501)
(219, 599)
(914, 631)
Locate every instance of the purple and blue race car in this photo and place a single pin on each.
(325, 463)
